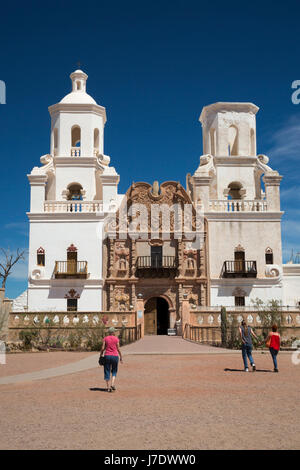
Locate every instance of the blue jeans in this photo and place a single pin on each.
(274, 353)
(110, 366)
(246, 351)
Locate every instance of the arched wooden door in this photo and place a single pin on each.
(156, 316)
(150, 317)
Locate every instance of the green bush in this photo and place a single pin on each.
(28, 336)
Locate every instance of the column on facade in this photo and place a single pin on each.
(111, 297)
(109, 181)
(272, 190)
(111, 246)
(133, 258)
(201, 185)
(37, 182)
(180, 245)
(133, 295)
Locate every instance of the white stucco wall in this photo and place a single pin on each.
(254, 236)
(221, 292)
(291, 284)
(87, 121)
(55, 236)
(243, 174)
(77, 171)
(52, 297)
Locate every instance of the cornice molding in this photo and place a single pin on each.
(244, 216)
(66, 216)
(79, 108)
(75, 161)
(48, 283)
(233, 161)
(249, 282)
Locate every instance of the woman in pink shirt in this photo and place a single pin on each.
(273, 341)
(111, 346)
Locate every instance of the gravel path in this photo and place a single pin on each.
(164, 402)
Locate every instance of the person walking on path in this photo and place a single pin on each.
(273, 342)
(111, 346)
(246, 334)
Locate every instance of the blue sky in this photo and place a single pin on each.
(153, 65)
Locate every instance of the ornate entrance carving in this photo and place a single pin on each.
(154, 265)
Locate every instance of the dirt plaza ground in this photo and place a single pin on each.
(163, 401)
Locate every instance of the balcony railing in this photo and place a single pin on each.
(73, 206)
(239, 269)
(75, 151)
(238, 205)
(156, 262)
(70, 269)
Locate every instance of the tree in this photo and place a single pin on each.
(224, 326)
(10, 259)
(270, 313)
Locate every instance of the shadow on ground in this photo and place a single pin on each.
(242, 370)
(97, 389)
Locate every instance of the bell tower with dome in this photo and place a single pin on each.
(77, 122)
(72, 193)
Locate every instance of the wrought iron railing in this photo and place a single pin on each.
(156, 262)
(70, 268)
(239, 269)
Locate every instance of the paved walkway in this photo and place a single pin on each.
(149, 345)
(170, 345)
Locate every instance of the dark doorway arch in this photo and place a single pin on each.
(157, 316)
(163, 320)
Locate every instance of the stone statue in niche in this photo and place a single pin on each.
(190, 257)
(121, 256)
(122, 264)
(121, 300)
(190, 263)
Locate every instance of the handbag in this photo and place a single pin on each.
(268, 342)
(101, 360)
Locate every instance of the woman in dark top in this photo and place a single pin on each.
(246, 334)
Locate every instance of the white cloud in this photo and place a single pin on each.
(291, 227)
(19, 227)
(286, 141)
(290, 193)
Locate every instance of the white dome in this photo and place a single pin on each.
(78, 94)
(77, 97)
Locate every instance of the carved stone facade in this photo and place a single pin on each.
(141, 258)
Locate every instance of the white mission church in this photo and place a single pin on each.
(75, 189)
